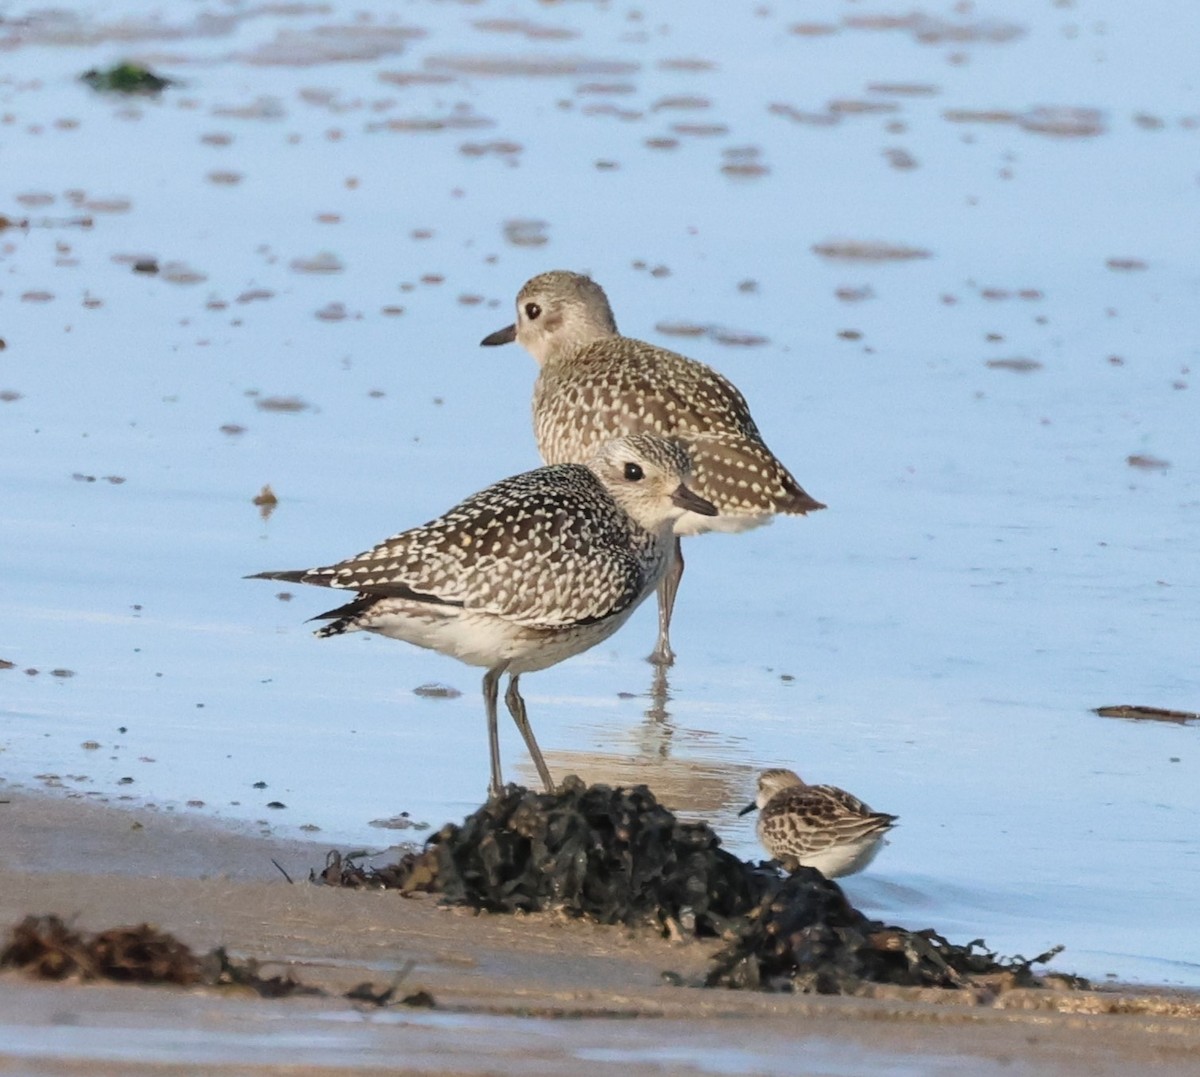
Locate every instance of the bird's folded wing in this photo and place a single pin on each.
(540, 568)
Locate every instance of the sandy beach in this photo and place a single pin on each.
(512, 994)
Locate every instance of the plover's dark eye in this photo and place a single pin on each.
(533, 311)
(634, 472)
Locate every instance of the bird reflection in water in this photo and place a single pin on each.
(655, 733)
(654, 754)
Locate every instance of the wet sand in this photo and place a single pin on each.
(521, 995)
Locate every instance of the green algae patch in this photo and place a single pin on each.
(126, 78)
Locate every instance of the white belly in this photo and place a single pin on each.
(692, 523)
(844, 859)
(485, 640)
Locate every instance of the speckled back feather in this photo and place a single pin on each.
(823, 807)
(619, 385)
(595, 384)
(547, 548)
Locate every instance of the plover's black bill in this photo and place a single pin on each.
(501, 336)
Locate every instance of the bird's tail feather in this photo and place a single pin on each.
(290, 576)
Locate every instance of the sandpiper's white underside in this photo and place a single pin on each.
(845, 858)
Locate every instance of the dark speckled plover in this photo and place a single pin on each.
(529, 572)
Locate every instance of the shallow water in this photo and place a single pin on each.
(240, 1033)
(947, 261)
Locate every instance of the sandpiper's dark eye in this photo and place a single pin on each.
(634, 472)
(533, 311)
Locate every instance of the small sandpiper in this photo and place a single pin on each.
(819, 826)
(524, 574)
(595, 384)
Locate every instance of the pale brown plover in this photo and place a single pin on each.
(819, 826)
(595, 384)
(524, 574)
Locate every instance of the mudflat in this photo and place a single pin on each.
(511, 994)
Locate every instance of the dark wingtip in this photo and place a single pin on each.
(800, 503)
(292, 576)
(501, 336)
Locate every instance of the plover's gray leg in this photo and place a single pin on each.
(516, 707)
(491, 689)
(667, 587)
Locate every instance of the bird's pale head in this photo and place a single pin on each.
(775, 781)
(648, 477)
(557, 314)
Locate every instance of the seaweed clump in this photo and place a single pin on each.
(806, 937)
(412, 872)
(614, 855)
(45, 947)
(617, 856)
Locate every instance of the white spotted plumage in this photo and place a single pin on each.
(526, 573)
(544, 549)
